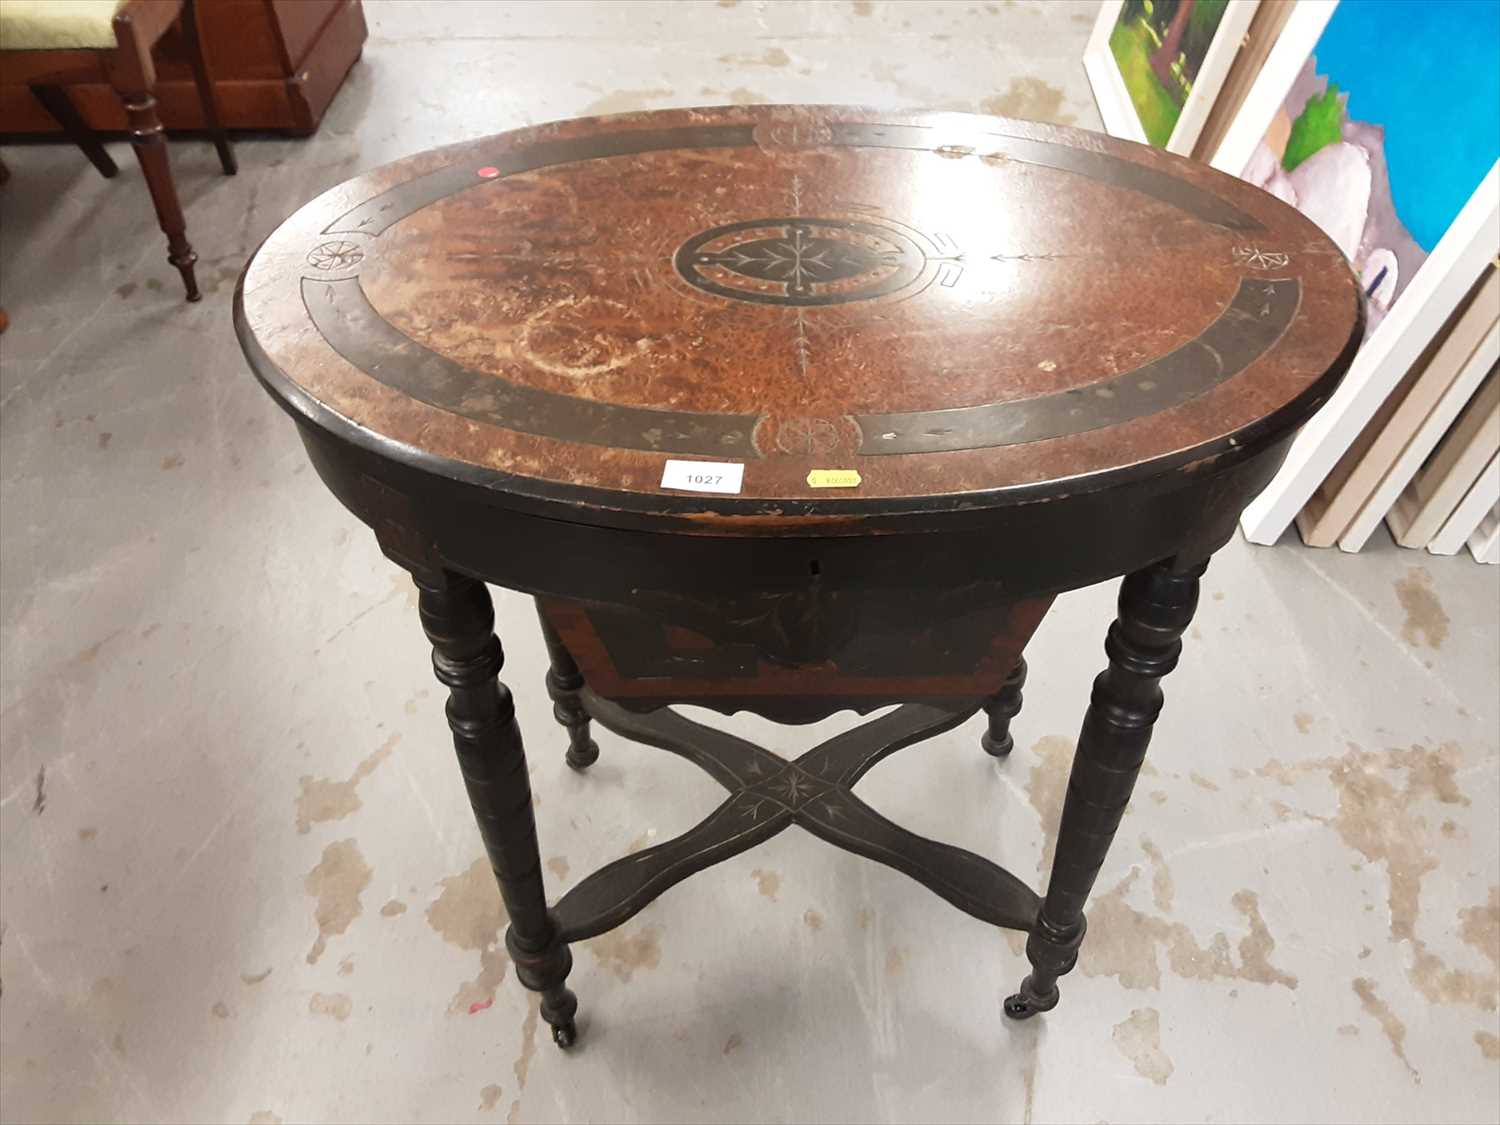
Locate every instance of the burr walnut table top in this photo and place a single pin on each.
(967, 311)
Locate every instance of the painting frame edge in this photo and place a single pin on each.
(1228, 39)
(1110, 95)
(1112, 98)
(1304, 27)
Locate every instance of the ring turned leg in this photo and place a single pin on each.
(459, 621)
(1004, 707)
(564, 682)
(150, 145)
(1156, 605)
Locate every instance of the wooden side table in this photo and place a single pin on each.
(794, 410)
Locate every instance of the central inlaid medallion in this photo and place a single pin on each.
(801, 261)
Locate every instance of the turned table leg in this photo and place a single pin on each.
(564, 682)
(459, 620)
(1004, 707)
(1156, 605)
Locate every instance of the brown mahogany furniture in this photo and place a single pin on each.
(1027, 358)
(128, 65)
(276, 64)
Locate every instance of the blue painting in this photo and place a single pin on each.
(1390, 127)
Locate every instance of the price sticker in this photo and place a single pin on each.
(833, 478)
(703, 476)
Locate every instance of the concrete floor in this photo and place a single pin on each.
(240, 878)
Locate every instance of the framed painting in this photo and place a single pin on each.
(1380, 121)
(1264, 33)
(1156, 65)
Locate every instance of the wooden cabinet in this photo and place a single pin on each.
(276, 64)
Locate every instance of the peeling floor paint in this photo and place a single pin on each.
(1030, 98)
(1126, 943)
(1047, 787)
(767, 883)
(1139, 1040)
(1426, 621)
(627, 949)
(522, 1064)
(325, 799)
(1161, 877)
(469, 914)
(1376, 819)
(623, 101)
(208, 634)
(1394, 1029)
(336, 1006)
(337, 881)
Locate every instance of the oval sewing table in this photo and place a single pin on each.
(795, 410)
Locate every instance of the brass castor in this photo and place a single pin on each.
(1024, 1004)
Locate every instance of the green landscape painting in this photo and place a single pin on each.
(1159, 46)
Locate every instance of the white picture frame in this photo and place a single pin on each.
(1382, 501)
(1484, 544)
(1303, 28)
(1434, 493)
(1425, 305)
(1470, 513)
(1113, 99)
(1396, 442)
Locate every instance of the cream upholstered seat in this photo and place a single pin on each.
(57, 25)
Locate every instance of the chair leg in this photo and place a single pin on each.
(208, 97)
(55, 100)
(132, 74)
(150, 145)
